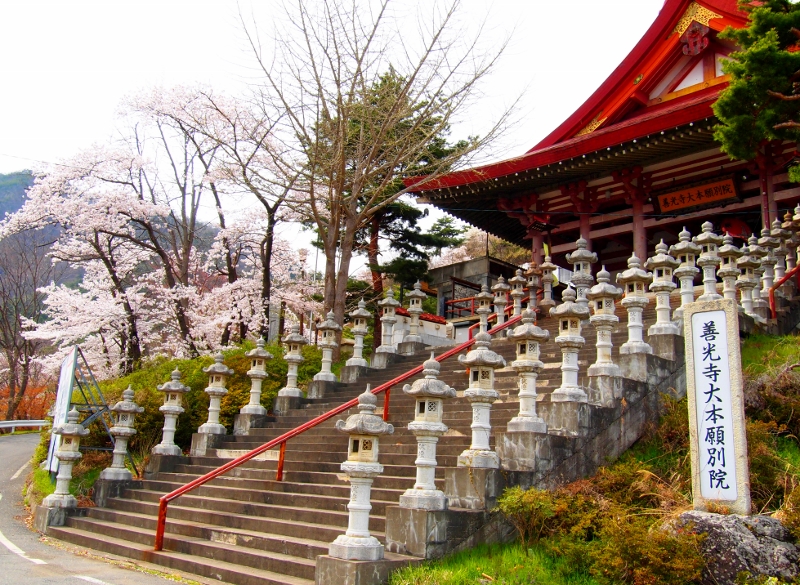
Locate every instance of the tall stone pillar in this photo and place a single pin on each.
(517, 283)
(327, 342)
(747, 281)
(527, 365)
(662, 265)
(173, 393)
(729, 270)
(415, 298)
(569, 315)
(427, 426)
(582, 260)
(534, 275)
(708, 261)
(548, 276)
(604, 374)
(500, 290)
(482, 362)
(388, 319)
(360, 317)
(768, 262)
(634, 280)
(686, 252)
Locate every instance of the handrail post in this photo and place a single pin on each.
(386, 396)
(281, 459)
(162, 522)
(775, 286)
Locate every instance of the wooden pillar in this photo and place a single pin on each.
(537, 247)
(769, 208)
(585, 227)
(639, 233)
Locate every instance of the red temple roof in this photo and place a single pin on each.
(646, 94)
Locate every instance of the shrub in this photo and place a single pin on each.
(529, 511)
(636, 553)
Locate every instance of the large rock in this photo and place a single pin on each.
(758, 544)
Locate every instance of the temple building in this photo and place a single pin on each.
(636, 162)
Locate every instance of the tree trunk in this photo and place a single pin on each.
(266, 262)
(373, 251)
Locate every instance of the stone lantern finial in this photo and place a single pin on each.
(361, 467)
(747, 280)
(125, 411)
(427, 426)
(328, 329)
(173, 393)
(360, 317)
(528, 338)
(218, 374)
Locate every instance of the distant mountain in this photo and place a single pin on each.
(12, 191)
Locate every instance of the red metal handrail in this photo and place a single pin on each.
(281, 440)
(787, 276)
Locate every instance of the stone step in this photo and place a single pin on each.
(190, 563)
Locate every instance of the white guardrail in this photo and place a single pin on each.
(13, 424)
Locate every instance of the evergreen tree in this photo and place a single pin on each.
(762, 101)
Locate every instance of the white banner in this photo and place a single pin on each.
(66, 383)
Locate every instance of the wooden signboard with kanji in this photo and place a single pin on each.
(696, 196)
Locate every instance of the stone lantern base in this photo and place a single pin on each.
(479, 458)
(423, 500)
(353, 548)
(410, 346)
(352, 572)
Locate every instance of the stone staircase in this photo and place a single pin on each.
(248, 529)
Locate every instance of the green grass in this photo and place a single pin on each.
(505, 564)
(762, 353)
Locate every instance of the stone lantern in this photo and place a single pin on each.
(415, 298)
(604, 371)
(791, 241)
(388, 319)
(728, 270)
(758, 253)
(569, 315)
(361, 467)
(173, 393)
(781, 252)
(582, 260)
(483, 306)
(500, 291)
(327, 341)
(708, 261)
(482, 362)
(534, 284)
(68, 454)
(528, 337)
(686, 252)
(360, 318)
(294, 343)
(257, 373)
(517, 283)
(548, 276)
(634, 280)
(769, 261)
(218, 374)
(747, 280)
(662, 266)
(430, 394)
(125, 411)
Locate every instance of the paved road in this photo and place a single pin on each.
(27, 558)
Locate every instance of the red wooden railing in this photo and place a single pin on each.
(774, 287)
(281, 440)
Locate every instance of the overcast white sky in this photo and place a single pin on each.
(65, 65)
